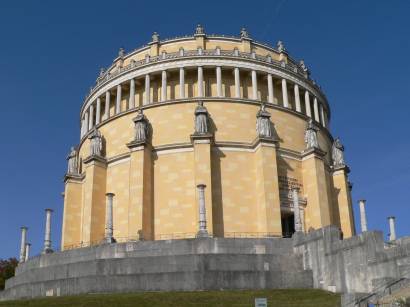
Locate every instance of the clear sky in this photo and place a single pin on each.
(51, 52)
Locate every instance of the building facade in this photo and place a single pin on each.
(204, 135)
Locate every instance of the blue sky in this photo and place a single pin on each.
(51, 52)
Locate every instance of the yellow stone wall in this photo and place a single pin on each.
(155, 185)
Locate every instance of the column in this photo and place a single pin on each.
(363, 220)
(118, 101)
(316, 109)
(392, 226)
(285, 94)
(202, 232)
(107, 104)
(27, 253)
(109, 230)
(307, 104)
(164, 86)
(86, 122)
(218, 81)
(270, 89)
(132, 94)
(82, 130)
(181, 83)
(297, 98)
(237, 83)
(147, 99)
(47, 237)
(254, 85)
(98, 111)
(302, 218)
(322, 113)
(91, 117)
(200, 82)
(23, 244)
(296, 210)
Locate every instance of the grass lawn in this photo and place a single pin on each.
(280, 298)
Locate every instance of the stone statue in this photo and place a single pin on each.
(155, 37)
(280, 46)
(102, 71)
(199, 30)
(201, 119)
(244, 33)
(121, 52)
(311, 135)
(337, 153)
(304, 67)
(95, 143)
(72, 162)
(263, 123)
(141, 127)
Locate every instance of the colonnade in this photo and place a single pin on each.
(309, 105)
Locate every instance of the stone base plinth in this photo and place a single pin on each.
(183, 265)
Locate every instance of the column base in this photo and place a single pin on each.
(108, 240)
(47, 250)
(202, 234)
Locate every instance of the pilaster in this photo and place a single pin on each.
(342, 200)
(73, 191)
(141, 223)
(202, 170)
(315, 186)
(93, 213)
(267, 187)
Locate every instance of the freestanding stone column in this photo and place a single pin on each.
(107, 104)
(363, 220)
(307, 104)
(202, 232)
(23, 244)
(181, 83)
(297, 98)
(285, 93)
(219, 81)
(91, 117)
(296, 210)
(147, 89)
(27, 253)
(322, 113)
(254, 85)
(119, 98)
(392, 228)
(316, 109)
(132, 94)
(270, 89)
(109, 229)
(164, 85)
(200, 81)
(237, 83)
(47, 237)
(98, 111)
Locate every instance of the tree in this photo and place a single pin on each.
(7, 268)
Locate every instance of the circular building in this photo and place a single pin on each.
(204, 135)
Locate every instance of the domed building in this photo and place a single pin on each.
(204, 135)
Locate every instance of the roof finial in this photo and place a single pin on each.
(244, 33)
(155, 37)
(281, 47)
(121, 52)
(199, 30)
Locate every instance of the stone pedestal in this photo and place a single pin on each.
(342, 201)
(202, 155)
(267, 187)
(93, 213)
(141, 223)
(73, 190)
(315, 187)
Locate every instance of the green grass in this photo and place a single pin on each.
(280, 298)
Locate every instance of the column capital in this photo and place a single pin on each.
(343, 168)
(110, 194)
(48, 210)
(95, 158)
(24, 228)
(202, 138)
(201, 186)
(317, 152)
